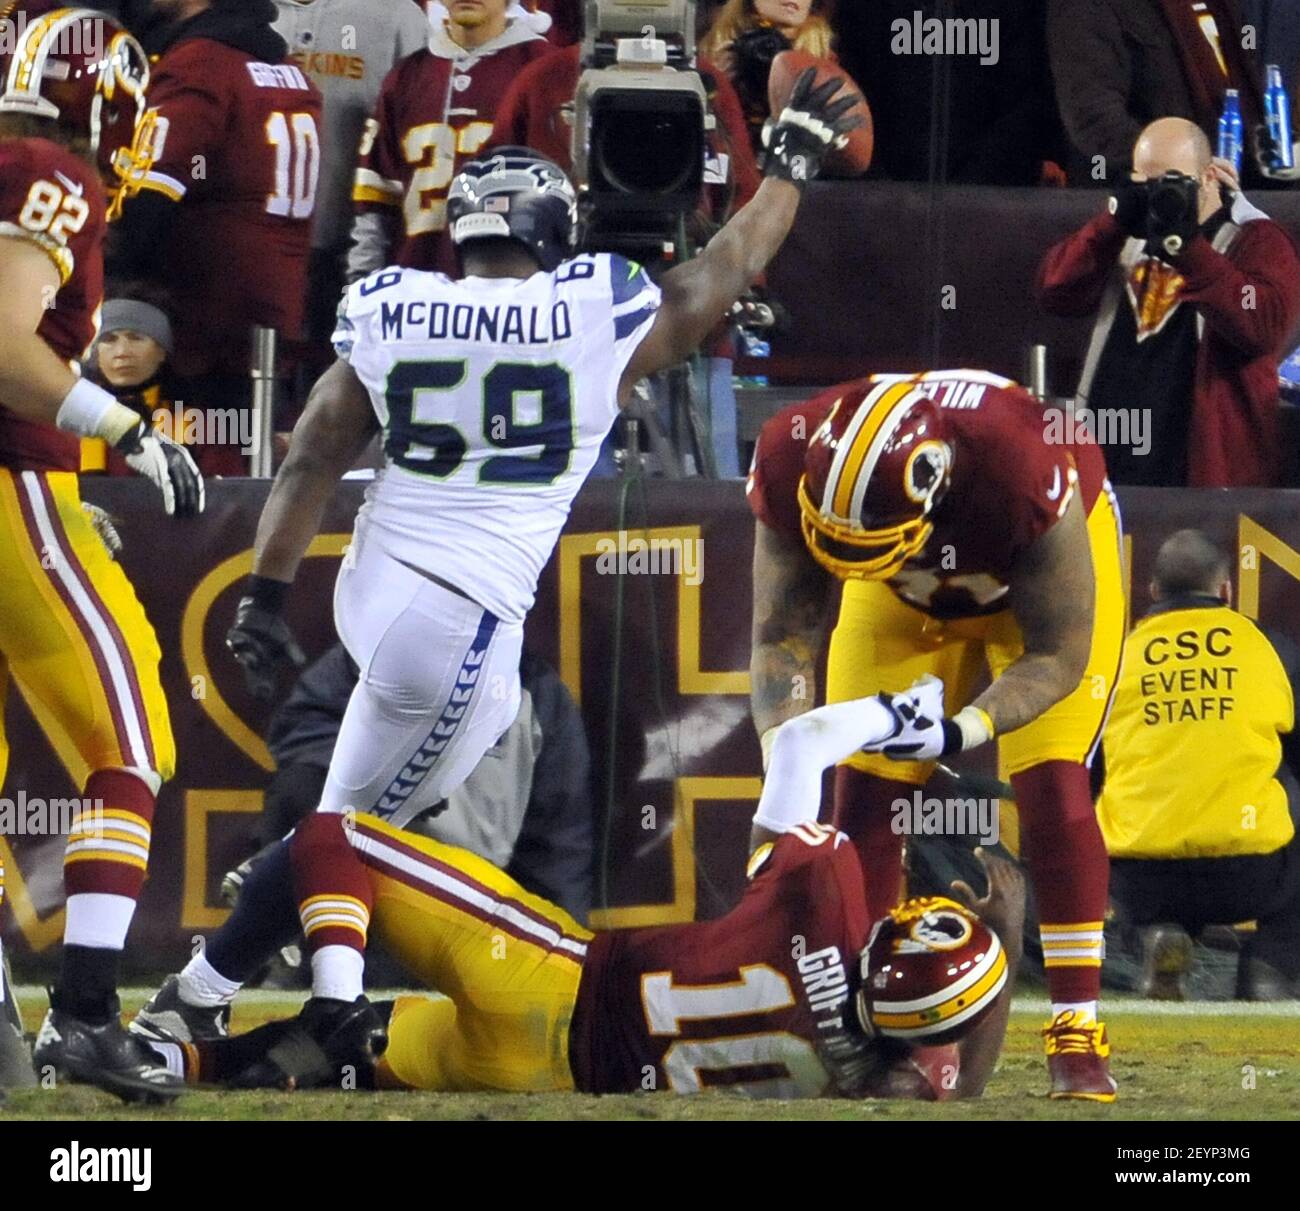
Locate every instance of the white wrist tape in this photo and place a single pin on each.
(975, 726)
(90, 411)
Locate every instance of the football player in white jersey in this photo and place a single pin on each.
(493, 393)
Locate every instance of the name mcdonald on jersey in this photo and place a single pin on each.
(506, 324)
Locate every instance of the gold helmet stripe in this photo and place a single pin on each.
(873, 413)
(951, 1012)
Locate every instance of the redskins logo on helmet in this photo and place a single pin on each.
(874, 472)
(79, 68)
(931, 970)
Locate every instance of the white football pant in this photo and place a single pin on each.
(439, 684)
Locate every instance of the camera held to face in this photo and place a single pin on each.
(1164, 212)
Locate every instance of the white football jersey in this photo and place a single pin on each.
(494, 395)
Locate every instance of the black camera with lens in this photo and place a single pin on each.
(1173, 210)
(640, 121)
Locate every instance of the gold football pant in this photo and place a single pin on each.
(75, 638)
(880, 643)
(74, 635)
(507, 962)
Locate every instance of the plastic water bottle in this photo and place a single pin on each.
(753, 346)
(1277, 113)
(1230, 129)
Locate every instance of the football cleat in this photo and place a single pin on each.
(1078, 1054)
(166, 1014)
(1166, 959)
(876, 469)
(325, 1044)
(102, 1054)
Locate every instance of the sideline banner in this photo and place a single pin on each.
(645, 611)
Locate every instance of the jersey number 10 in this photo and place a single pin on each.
(438, 446)
(767, 1063)
(297, 164)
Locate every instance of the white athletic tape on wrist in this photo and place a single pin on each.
(975, 726)
(90, 411)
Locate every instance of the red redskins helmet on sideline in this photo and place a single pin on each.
(930, 971)
(874, 471)
(79, 68)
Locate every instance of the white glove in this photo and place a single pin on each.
(169, 465)
(918, 711)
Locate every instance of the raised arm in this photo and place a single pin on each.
(698, 293)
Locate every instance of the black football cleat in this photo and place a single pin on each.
(330, 1043)
(103, 1054)
(166, 1014)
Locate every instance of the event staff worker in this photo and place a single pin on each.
(1200, 799)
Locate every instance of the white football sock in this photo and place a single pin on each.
(98, 920)
(204, 986)
(336, 972)
(1087, 1010)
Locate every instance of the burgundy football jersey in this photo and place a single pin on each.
(754, 1002)
(1010, 485)
(53, 198)
(433, 114)
(237, 145)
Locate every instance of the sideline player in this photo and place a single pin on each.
(72, 633)
(494, 393)
(792, 994)
(434, 114)
(964, 537)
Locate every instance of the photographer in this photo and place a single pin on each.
(1195, 293)
(747, 35)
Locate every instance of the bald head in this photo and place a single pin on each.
(1189, 562)
(1171, 145)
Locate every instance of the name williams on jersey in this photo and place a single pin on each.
(502, 324)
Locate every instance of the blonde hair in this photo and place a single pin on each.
(814, 36)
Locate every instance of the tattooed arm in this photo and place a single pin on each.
(792, 603)
(1052, 600)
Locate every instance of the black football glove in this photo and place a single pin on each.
(261, 639)
(169, 465)
(810, 126)
(1129, 206)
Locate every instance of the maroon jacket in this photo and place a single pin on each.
(1234, 439)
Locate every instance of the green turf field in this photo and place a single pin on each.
(1197, 1062)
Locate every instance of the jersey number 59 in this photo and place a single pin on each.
(416, 442)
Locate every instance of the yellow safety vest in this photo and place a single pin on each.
(1193, 742)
